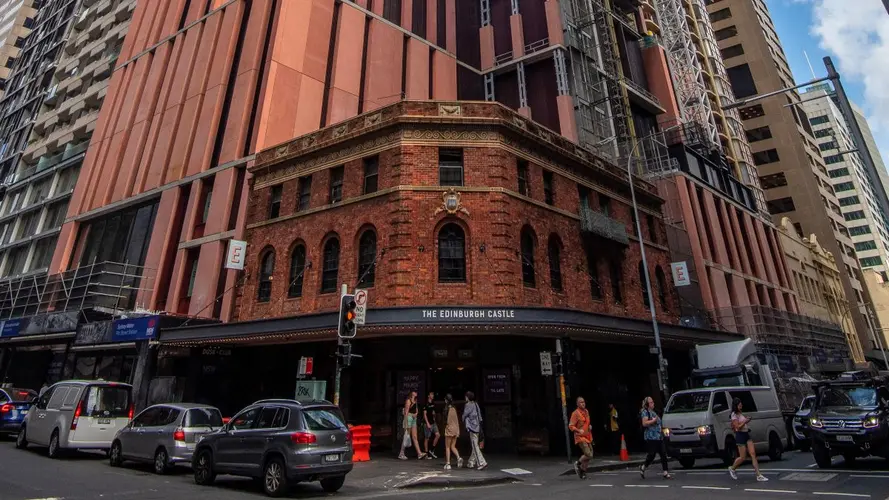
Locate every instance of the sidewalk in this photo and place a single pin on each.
(388, 473)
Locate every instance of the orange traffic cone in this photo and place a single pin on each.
(624, 454)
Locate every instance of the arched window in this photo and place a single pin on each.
(661, 286)
(331, 268)
(555, 263)
(528, 278)
(367, 256)
(266, 270)
(297, 270)
(451, 254)
(645, 299)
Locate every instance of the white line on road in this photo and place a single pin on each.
(758, 490)
(830, 493)
(720, 488)
(601, 485)
(646, 486)
(870, 476)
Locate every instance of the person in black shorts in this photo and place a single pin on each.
(430, 426)
(743, 441)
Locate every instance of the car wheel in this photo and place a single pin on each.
(203, 468)
(776, 449)
(115, 456)
(21, 441)
(687, 462)
(731, 451)
(161, 461)
(333, 484)
(53, 451)
(274, 478)
(821, 455)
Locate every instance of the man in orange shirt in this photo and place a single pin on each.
(583, 438)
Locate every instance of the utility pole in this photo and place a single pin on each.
(561, 380)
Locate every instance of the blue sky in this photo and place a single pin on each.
(855, 33)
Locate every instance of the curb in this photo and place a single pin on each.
(455, 482)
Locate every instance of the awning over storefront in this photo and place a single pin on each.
(444, 320)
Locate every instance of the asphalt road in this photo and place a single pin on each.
(30, 475)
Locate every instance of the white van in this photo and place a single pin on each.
(697, 423)
(77, 414)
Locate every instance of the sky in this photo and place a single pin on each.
(855, 33)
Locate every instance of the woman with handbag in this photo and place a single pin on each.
(410, 412)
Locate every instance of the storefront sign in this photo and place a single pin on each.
(98, 332)
(407, 382)
(497, 386)
(129, 330)
(458, 314)
(237, 251)
(11, 327)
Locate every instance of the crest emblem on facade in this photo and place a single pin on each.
(451, 203)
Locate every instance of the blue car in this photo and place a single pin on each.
(14, 406)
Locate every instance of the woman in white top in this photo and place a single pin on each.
(743, 441)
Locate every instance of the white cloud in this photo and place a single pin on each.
(856, 32)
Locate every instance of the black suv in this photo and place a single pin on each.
(280, 442)
(850, 418)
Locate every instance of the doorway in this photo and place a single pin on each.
(454, 379)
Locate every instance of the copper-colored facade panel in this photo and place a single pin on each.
(385, 47)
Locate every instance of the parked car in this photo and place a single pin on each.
(164, 434)
(280, 442)
(801, 423)
(14, 407)
(77, 414)
(697, 423)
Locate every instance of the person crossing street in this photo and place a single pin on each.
(583, 438)
(654, 439)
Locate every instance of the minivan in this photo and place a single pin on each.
(77, 414)
(697, 423)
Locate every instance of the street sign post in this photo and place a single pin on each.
(360, 306)
(546, 363)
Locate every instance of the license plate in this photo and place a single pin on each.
(847, 439)
(684, 450)
(104, 421)
(331, 458)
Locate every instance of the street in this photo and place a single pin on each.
(30, 475)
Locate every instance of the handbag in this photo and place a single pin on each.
(406, 440)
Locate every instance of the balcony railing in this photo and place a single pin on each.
(600, 224)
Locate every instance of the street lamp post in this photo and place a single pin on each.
(662, 364)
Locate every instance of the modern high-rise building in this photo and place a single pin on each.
(41, 184)
(791, 171)
(16, 21)
(872, 148)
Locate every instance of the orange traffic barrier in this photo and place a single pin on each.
(624, 454)
(360, 443)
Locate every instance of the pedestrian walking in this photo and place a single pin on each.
(452, 432)
(742, 440)
(613, 427)
(410, 411)
(472, 420)
(430, 429)
(583, 437)
(654, 439)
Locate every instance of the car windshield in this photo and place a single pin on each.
(807, 404)
(836, 396)
(21, 394)
(689, 402)
(323, 419)
(203, 417)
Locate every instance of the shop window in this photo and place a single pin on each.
(451, 254)
(297, 270)
(548, 193)
(615, 268)
(367, 259)
(336, 184)
(646, 300)
(331, 268)
(555, 263)
(371, 174)
(527, 253)
(275, 201)
(450, 167)
(661, 286)
(305, 193)
(522, 174)
(266, 271)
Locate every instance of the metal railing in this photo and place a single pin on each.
(107, 286)
(600, 224)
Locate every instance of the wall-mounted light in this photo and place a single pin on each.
(421, 248)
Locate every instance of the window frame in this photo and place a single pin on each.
(367, 270)
(304, 193)
(526, 247)
(459, 271)
(266, 276)
(335, 192)
(451, 165)
(330, 265)
(297, 272)
(371, 163)
(554, 255)
(275, 194)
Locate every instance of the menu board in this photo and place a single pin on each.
(408, 381)
(497, 386)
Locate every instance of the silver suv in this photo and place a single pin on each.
(164, 434)
(279, 441)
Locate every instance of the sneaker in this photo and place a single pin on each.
(760, 478)
(667, 475)
(459, 463)
(447, 467)
(483, 467)
(731, 472)
(402, 457)
(642, 471)
(428, 456)
(577, 469)
(582, 474)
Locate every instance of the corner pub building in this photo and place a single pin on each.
(481, 238)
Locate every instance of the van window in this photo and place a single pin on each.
(720, 402)
(323, 419)
(58, 396)
(689, 402)
(107, 401)
(749, 405)
(203, 417)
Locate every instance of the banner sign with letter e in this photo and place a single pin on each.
(237, 252)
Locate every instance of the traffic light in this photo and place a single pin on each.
(344, 351)
(346, 328)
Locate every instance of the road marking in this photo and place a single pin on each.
(646, 486)
(758, 490)
(516, 471)
(601, 485)
(720, 488)
(834, 493)
(812, 466)
(871, 476)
